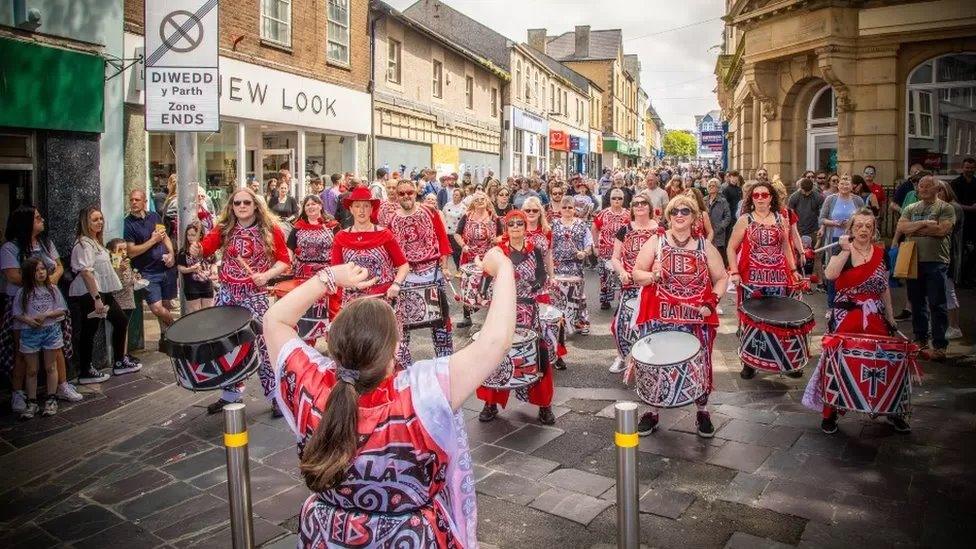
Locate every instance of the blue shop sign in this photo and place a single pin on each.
(579, 144)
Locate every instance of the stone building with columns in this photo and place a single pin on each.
(838, 85)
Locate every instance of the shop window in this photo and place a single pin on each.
(338, 37)
(469, 91)
(494, 102)
(393, 62)
(276, 21)
(438, 86)
(941, 108)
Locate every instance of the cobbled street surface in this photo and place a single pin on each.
(140, 464)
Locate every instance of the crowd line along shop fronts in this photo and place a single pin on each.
(559, 151)
(596, 154)
(270, 120)
(525, 144)
(408, 157)
(52, 115)
(569, 151)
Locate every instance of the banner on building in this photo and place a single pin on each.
(711, 141)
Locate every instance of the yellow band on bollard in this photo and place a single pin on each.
(236, 440)
(624, 440)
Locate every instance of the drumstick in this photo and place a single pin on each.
(827, 247)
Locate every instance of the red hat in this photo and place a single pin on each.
(515, 214)
(360, 194)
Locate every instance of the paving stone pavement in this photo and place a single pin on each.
(140, 464)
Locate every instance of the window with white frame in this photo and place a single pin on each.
(338, 31)
(535, 89)
(276, 21)
(393, 61)
(552, 98)
(469, 92)
(438, 79)
(528, 84)
(494, 102)
(518, 79)
(565, 103)
(940, 110)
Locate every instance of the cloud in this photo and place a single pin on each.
(676, 65)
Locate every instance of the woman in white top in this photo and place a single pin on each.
(453, 211)
(91, 290)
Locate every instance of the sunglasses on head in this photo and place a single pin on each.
(684, 211)
(516, 223)
(243, 202)
(761, 195)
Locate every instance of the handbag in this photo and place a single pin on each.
(906, 264)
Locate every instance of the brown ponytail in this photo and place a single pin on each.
(362, 339)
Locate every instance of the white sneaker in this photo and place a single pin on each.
(720, 311)
(953, 333)
(92, 376)
(617, 366)
(67, 391)
(18, 401)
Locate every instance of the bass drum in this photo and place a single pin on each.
(213, 348)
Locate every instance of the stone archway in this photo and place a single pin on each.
(797, 130)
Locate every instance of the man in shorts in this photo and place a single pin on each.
(152, 255)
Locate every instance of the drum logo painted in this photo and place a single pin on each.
(873, 381)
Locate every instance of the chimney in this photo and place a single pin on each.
(537, 39)
(582, 41)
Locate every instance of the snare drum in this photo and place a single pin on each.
(569, 292)
(671, 368)
(551, 318)
(774, 333)
(521, 367)
(475, 292)
(314, 323)
(867, 373)
(213, 347)
(624, 325)
(420, 305)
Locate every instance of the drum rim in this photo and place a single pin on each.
(531, 334)
(211, 349)
(670, 364)
(790, 323)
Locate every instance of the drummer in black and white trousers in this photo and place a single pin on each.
(423, 238)
(682, 278)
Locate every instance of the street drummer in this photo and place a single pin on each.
(530, 279)
(311, 241)
(682, 277)
(759, 251)
(627, 243)
(366, 429)
(862, 304)
(253, 251)
(539, 233)
(605, 227)
(422, 236)
(572, 243)
(477, 231)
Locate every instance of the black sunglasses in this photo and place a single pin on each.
(516, 223)
(680, 211)
(243, 202)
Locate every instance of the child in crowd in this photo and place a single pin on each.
(129, 277)
(38, 309)
(196, 272)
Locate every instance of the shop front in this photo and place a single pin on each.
(596, 154)
(579, 152)
(620, 153)
(559, 151)
(525, 144)
(270, 121)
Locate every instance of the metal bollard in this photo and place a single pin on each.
(628, 525)
(238, 477)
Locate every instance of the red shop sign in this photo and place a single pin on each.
(558, 141)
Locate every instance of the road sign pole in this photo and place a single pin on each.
(186, 190)
(628, 525)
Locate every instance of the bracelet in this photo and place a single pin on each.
(327, 278)
(97, 297)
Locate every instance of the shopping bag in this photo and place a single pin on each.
(906, 264)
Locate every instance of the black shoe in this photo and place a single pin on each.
(647, 424)
(705, 427)
(747, 372)
(217, 407)
(465, 323)
(604, 306)
(829, 424)
(276, 410)
(904, 315)
(488, 413)
(545, 415)
(899, 424)
(560, 364)
(795, 374)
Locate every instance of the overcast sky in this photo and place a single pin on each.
(676, 67)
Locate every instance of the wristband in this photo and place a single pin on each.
(97, 297)
(327, 278)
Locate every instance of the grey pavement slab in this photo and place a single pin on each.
(741, 540)
(742, 457)
(80, 524)
(282, 506)
(678, 444)
(570, 505)
(129, 487)
(125, 535)
(511, 488)
(157, 500)
(745, 488)
(529, 438)
(523, 465)
(579, 481)
(198, 464)
(801, 500)
(665, 502)
(483, 453)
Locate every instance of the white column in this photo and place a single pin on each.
(350, 160)
(241, 155)
(299, 174)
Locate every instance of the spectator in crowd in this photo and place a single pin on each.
(117, 249)
(502, 205)
(928, 223)
(197, 273)
(836, 210)
(452, 212)
(429, 182)
(656, 196)
(617, 183)
(674, 186)
(330, 198)
(822, 184)
(807, 202)
(876, 189)
(378, 187)
(316, 186)
(762, 174)
(255, 186)
(151, 252)
(524, 191)
(92, 292)
(720, 216)
(343, 215)
(861, 189)
(271, 189)
(282, 203)
(443, 195)
(897, 200)
(732, 191)
(953, 274)
(964, 187)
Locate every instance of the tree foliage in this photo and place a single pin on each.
(680, 144)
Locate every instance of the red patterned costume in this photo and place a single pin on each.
(376, 251)
(762, 263)
(631, 241)
(478, 235)
(607, 223)
(530, 277)
(312, 246)
(410, 483)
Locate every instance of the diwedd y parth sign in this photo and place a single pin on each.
(182, 79)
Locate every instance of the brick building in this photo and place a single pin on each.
(294, 79)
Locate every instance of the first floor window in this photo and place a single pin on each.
(469, 91)
(438, 79)
(276, 21)
(494, 102)
(338, 37)
(393, 62)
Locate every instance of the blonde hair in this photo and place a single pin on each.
(780, 189)
(262, 216)
(543, 222)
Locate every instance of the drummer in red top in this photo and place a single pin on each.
(423, 238)
(476, 233)
(530, 278)
(627, 244)
(682, 277)
(539, 234)
(605, 227)
(759, 251)
(862, 304)
(311, 242)
(253, 252)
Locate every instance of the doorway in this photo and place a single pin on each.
(15, 187)
(822, 131)
(273, 160)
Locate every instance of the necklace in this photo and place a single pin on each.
(359, 238)
(680, 243)
(864, 255)
(763, 218)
